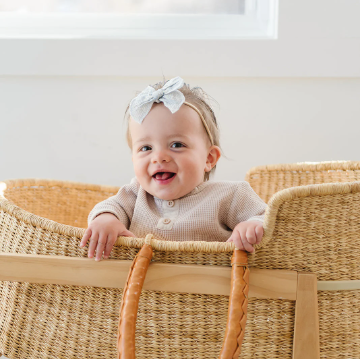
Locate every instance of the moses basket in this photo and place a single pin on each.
(57, 303)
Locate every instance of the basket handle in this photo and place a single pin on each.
(237, 312)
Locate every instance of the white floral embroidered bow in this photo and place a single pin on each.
(141, 105)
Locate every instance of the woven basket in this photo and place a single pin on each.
(267, 180)
(313, 228)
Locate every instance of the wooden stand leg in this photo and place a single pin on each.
(306, 333)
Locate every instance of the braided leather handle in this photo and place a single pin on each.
(130, 302)
(237, 313)
(238, 301)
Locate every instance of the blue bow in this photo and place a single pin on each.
(141, 105)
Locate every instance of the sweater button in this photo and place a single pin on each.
(171, 203)
(166, 220)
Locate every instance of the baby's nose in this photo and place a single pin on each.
(158, 160)
(160, 157)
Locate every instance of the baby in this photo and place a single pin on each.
(174, 140)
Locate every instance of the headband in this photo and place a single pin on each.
(169, 94)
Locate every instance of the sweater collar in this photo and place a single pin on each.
(196, 190)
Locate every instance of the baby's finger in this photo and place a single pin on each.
(109, 245)
(101, 245)
(251, 235)
(127, 233)
(231, 238)
(259, 230)
(93, 242)
(237, 240)
(86, 237)
(247, 246)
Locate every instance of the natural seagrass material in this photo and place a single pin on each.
(313, 228)
(267, 180)
(61, 321)
(64, 202)
(316, 229)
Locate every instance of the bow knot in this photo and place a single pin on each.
(141, 105)
(158, 94)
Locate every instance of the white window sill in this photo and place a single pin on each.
(176, 27)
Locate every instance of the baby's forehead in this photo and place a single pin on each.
(184, 120)
(155, 130)
(161, 124)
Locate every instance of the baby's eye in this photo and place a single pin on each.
(177, 145)
(145, 148)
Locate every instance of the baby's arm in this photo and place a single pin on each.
(109, 219)
(246, 215)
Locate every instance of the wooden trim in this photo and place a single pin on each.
(306, 331)
(45, 269)
(338, 285)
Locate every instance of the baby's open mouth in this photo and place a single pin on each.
(163, 175)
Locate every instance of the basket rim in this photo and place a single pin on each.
(23, 182)
(306, 166)
(63, 229)
(274, 204)
(289, 194)
(160, 245)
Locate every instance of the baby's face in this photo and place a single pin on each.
(170, 152)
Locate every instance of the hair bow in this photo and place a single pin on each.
(141, 105)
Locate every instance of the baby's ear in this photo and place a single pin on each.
(214, 155)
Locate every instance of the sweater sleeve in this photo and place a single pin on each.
(121, 205)
(246, 205)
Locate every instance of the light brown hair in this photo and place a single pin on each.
(200, 99)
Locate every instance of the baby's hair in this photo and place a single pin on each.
(200, 99)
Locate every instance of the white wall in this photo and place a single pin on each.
(72, 128)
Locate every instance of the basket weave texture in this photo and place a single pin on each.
(314, 228)
(267, 180)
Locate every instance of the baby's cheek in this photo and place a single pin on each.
(139, 167)
(141, 174)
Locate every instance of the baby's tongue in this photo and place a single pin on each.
(163, 175)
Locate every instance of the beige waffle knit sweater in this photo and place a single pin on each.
(208, 213)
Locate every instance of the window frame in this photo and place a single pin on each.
(308, 44)
(258, 22)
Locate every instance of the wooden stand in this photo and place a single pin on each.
(264, 283)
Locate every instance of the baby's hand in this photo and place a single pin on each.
(246, 234)
(103, 232)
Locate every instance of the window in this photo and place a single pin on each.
(143, 19)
